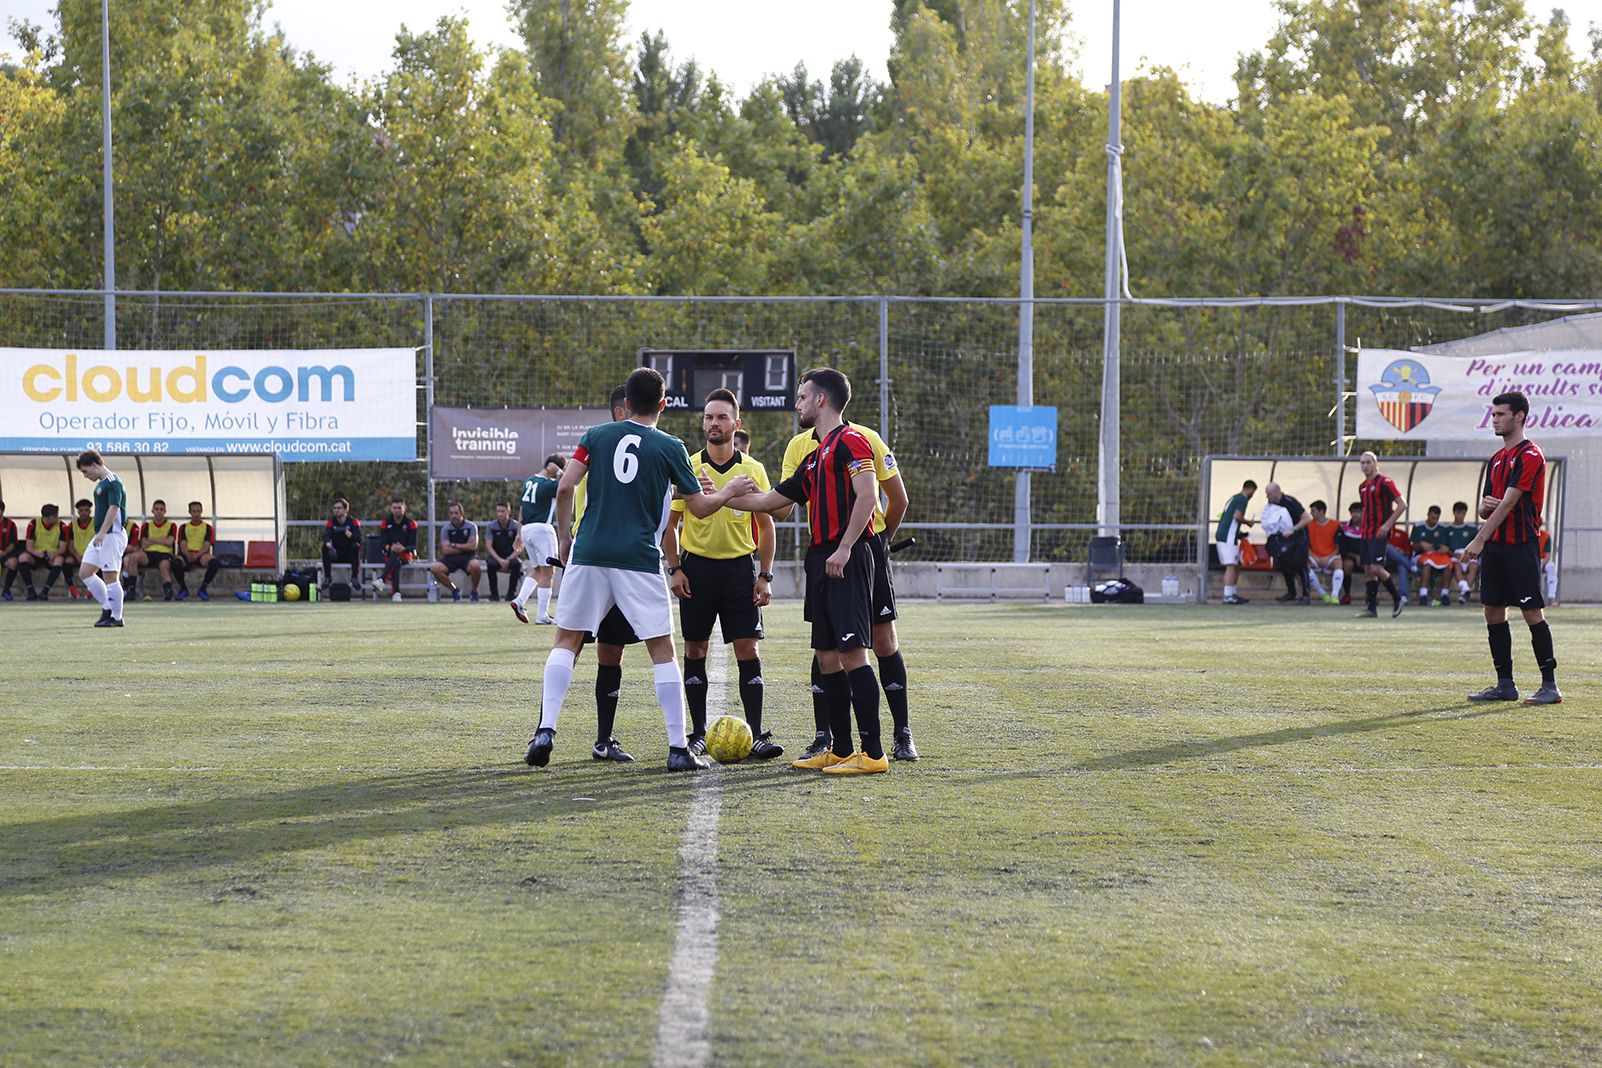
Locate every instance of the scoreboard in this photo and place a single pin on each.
(763, 379)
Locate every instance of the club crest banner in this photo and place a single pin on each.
(1413, 396)
(318, 404)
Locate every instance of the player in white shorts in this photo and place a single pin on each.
(634, 473)
(103, 557)
(538, 538)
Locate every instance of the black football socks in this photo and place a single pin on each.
(893, 675)
(751, 693)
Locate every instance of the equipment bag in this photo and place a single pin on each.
(1117, 591)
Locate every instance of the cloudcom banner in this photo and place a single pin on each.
(322, 404)
(504, 444)
(1448, 398)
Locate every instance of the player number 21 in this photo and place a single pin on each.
(625, 464)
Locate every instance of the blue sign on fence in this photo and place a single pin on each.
(1023, 437)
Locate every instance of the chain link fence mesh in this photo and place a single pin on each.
(1197, 378)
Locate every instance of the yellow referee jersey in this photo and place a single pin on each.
(884, 464)
(726, 534)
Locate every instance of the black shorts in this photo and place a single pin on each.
(1372, 550)
(884, 588)
(456, 562)
(1510, 575)
(723, 590)
(839, 609)
(615, 630)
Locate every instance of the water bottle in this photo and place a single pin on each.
(433, 590)
(1170, 588)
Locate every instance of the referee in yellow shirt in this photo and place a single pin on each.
(710, 571)
(887, 515)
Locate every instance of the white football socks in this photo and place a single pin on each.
(558, 677)
(1338, 584)
(524, 589)
(113, 597)
(670, 695)
(97, 588)
(545, 602)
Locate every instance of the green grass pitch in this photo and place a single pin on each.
(304, 834)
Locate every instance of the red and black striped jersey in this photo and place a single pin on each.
(1522, 466)
(823, 481)
(1379, 495)
(8, 534)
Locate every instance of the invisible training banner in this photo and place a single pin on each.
(302, 405)
(504, 444)
(1412, 396)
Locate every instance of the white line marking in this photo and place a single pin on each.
(683, 1029)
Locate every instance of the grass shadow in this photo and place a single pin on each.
(49, 855)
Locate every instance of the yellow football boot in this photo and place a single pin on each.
(859, 763)
(821, 762)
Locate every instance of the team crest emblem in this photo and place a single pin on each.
(1404, 394)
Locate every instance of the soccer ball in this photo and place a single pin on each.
(728, 740)
(291, 592)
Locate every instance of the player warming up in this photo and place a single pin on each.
(634, 473)
(538, 535)
(710, 572)
(1507, 546)
(103, 559)
(838, 484)
(1382, 507)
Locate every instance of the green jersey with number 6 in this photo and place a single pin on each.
(632, 472)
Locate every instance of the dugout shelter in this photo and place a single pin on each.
(1422, 481)
(243, 495)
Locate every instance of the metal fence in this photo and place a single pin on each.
(1208, 375)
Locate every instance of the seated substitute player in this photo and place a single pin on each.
(342, 542)
(539, 537)
(887, 517)
(133, 558)
(103, 558)
(10, 551)
(398, 535)
(1232, 522)
(1383, 505)
(1432, 557)
(80, 532)
(839, 485)
(710, 572)
(43, 545)
(1324, 554)
(1351, 543)
(1515, 490)
(458, 551)
(157, 540)
(500, 538)
(196, 541)
(1459, 532)
(634, 472)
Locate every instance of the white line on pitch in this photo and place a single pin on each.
(683, 1029)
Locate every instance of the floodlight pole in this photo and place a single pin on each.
(1107, 481)
(1021, 518)
(107, 218)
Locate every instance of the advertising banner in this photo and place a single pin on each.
(1023, 437)
(320, 404)
(1413, 396)
(504, 444)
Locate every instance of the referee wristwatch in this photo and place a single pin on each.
(765, 576)
(674, 569)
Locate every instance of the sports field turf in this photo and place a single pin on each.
(304, 834)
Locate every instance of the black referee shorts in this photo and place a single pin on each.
(722, 590)
(839, 609)
(615, 630)
(884, 589)
(1510, 575)
(1372, 550)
